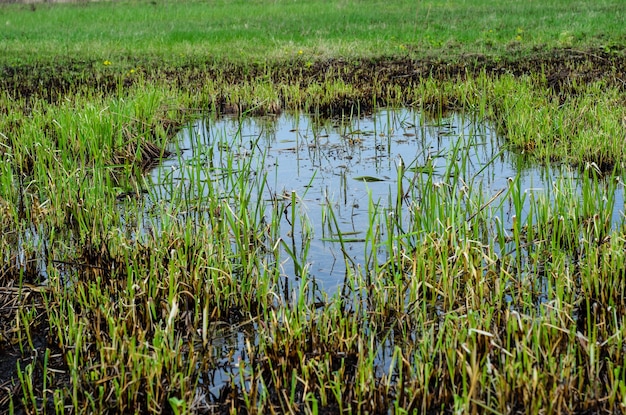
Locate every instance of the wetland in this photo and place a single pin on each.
(358, 212)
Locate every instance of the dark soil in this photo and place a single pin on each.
(562, 70)
(11, 357)
(38, 351)
(21, 291)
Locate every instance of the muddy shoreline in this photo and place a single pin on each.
(561, 70)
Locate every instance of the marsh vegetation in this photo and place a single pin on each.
(156, 259)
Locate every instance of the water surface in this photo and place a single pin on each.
(348, 164)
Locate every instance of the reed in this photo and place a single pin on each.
(510, 313)
(191, 290)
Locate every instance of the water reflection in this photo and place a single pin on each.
(344, 164)
(348, 165)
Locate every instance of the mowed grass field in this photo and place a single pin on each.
(242, 31)
(111, 302)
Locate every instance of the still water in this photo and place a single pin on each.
(343, 166)
(346, 165)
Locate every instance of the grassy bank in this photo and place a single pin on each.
(57, 47)
(113, 303)
(258, 31)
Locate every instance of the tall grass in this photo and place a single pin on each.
(468, 301)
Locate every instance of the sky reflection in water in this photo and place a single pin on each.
(347, 163)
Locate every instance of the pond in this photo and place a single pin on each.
(337, 172)
(332, 190)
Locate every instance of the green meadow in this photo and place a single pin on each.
(264, 31)
(112, 303)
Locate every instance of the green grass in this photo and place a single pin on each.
(476, 315)
(113, 303)
(129, 32)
